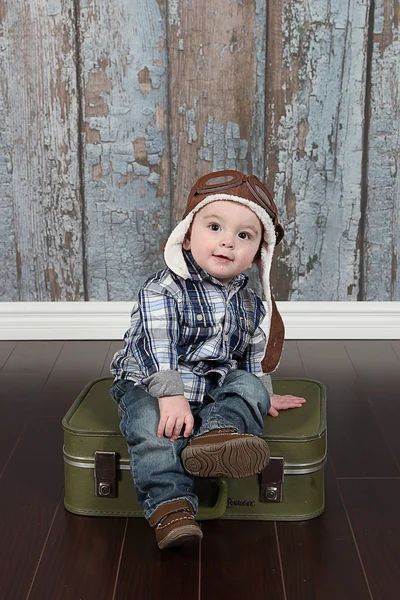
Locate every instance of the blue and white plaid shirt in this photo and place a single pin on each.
(184, 329)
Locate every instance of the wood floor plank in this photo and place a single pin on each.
(31, 486)
(33, 357)
(6, 349)
(378, 369)
(70, 557)
(149, 573)
(78, 363)
(376, 363)
(21, 380)
(240, 559)
(373, 509)
(356, 443)
(319, 557)
(114, 346)
(396, 346)
(323, 358)
(80, 559)
(290, 364)
(17, 399)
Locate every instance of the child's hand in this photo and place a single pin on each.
(283, 403)
(175, 413)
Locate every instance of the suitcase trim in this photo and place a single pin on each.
(85, 462)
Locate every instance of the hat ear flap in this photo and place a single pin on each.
(275, 340)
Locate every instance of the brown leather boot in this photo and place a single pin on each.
(175, 525)
(225, 453)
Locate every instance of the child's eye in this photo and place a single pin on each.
(244, 235)
(214, 227)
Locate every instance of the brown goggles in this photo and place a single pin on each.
(248, 186)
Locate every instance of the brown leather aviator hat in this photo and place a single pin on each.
(248, 190)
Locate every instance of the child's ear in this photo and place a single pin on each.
(186, 242)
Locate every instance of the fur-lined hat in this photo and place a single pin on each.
(249, 191)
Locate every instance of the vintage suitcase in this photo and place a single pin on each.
(98, 480)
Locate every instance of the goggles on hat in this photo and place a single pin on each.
(221, 181)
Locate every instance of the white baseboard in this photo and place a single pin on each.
(109, 320)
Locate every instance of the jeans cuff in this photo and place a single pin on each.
(214, 424)
(195, 504)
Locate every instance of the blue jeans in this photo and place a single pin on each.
(241, 402)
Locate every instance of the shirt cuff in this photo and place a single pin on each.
(164, 383)
(267, 381)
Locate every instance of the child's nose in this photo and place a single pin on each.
(227, 241)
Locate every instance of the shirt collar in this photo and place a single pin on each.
(198, 274)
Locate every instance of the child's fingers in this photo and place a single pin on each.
(189, 422)
(291, 398)
(273, 412)
(289, 402)
(169, 426)
(176, 431)
(161, 427)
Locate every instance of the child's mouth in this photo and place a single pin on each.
(222, 258)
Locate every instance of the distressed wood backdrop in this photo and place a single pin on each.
(111, 109)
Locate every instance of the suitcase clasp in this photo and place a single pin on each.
(105, 474)
(271, 486)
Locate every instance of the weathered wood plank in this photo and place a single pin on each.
(40, 210)
(315, 109)
(382, 239)
(125, 115)
(217, 66)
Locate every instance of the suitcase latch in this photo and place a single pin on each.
(105, 474)
(271, 487)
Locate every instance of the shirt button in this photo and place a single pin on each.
(199, 317)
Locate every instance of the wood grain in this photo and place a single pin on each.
(240, 559)
(41, 207)
(21, 381)
(290, 364)
(126, 145)
(76, 366)
(377, 366)
(382, 240)
(318, 557)
(146, 572)
(315, 109)
(217, 63)
(34, 482)
(46, 553)
(81, 558)
(356, 444)
(110, 111)
(6, 349)
(373, 509)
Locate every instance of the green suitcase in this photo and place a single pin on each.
(98, 480)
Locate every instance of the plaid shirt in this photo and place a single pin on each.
(193, 327)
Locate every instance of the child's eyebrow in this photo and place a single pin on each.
(219, 218)
(206, 216)
(251, 227)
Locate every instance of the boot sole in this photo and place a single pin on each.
(181, 536)
(235, 458)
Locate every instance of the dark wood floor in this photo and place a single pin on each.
(351, 552)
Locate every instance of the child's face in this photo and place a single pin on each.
(225, 237)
